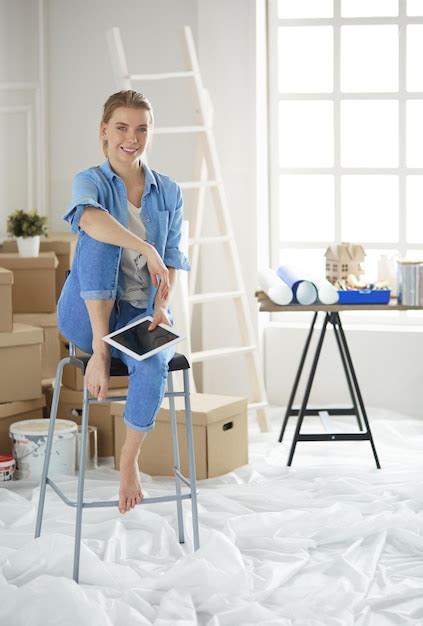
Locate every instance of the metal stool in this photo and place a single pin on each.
(118, 368)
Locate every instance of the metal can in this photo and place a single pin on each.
(410, 283)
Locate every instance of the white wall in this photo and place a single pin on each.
(18, 63)
(226, 35)
(386, 360)
(80, 80)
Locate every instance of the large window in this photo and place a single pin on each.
(346, 128)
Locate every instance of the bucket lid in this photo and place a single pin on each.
(6, 458)
(40, 426)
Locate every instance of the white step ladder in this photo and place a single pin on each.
(209, 178)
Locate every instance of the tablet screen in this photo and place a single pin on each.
(141, 340)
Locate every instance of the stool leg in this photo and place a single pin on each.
(191, 460)
(50, 435)
(176, 457)
(81, 476)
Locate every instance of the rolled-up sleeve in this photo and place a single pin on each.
(173, 256)
(84, 194)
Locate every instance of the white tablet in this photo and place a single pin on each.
(136, 340)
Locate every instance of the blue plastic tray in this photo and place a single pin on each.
(364, 296)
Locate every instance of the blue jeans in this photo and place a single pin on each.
(147, 379)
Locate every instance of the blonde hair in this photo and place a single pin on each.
(131, 99)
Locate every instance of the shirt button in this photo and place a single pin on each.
(148, 219)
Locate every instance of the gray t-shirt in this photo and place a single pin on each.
(134, 264)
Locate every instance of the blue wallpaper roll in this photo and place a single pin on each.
(303, 289)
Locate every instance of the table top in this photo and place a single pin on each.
(268, 306)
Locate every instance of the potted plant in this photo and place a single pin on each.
(27, 228)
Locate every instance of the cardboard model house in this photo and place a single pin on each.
(344, 259)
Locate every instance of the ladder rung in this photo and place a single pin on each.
(161, 76)
(210, 297)
(201, 240)
(197, 184)
(173, 130)
(257, 405)
(218, 352)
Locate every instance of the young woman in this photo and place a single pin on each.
(129, 222)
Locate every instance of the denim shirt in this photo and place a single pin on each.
(95, 273)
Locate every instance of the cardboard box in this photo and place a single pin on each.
(70, 407)
(62, 244)
(20, 359)
(220, 436)
(12, 412)
(6, 282)
(73, 376)
(34, 281)
(47, 389)
(50, 350)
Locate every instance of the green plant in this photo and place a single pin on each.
(26, 224)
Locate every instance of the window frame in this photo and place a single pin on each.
(336, 97)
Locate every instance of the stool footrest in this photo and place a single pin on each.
(109, 503)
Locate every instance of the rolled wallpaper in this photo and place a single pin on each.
(304, 291)
(272, 285)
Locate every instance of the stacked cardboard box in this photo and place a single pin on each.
(6, 282)
(61, 244)
(219, 429)
(34, 281)
(27, 293)
(20, 380)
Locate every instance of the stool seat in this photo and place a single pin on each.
(118, 367)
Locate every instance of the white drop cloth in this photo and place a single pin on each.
(330, 542)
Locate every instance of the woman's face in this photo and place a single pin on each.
(127, 133)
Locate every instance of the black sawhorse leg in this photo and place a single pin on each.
(354, 389)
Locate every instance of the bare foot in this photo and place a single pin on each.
(130, 493)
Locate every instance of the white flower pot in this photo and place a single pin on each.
(29, 246)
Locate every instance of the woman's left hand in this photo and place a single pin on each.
(160, 316)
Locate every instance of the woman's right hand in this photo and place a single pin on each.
(156, 267)
(97, 375)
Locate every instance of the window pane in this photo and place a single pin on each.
(306, 134)
(312, 261)
(369, 58)
(369, 133)
(414, 57)
(414, 133)
(306, 208)
(305, 8)
(415, 209)
(414, 7)
(305, 59)
(369, 8)
(369, 208)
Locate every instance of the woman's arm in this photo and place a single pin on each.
(160, 305)
(104, 227)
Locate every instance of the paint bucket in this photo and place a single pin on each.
(29, 440)
(91, 451)
(410, 283)
(7, 467)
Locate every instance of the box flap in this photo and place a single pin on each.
(22, 335)
(45, 320)
(8, 409)
(12, 261)
(206, 408)
(6, 276)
